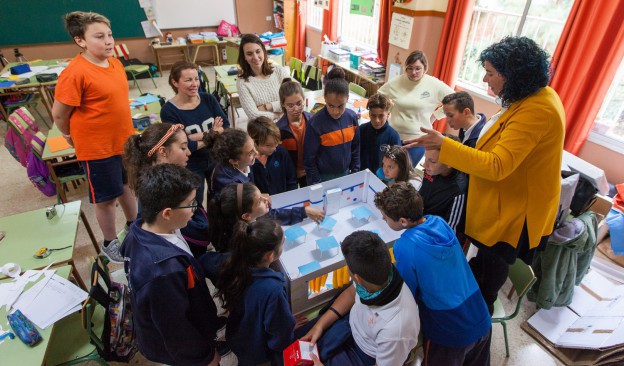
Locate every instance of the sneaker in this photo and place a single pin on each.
(112, 251)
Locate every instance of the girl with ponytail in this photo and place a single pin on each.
(260, 324)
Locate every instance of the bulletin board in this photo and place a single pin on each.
(172, 14)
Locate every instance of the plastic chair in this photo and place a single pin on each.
(312, 78)
(76, 338)
(357, 90)
(296, 69)
(27, 100)
(522, 278)
(122, 53)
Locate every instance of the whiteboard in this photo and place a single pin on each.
(170, 14)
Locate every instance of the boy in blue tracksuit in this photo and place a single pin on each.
(331, 147)
(454, 318)
(174, 316)
(273, 171)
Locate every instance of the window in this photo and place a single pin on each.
(540, 20)
(359, 30)
(314, 15)
(608, 127)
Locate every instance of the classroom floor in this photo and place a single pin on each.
(19, 195)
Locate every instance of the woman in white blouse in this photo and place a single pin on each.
(258, 81)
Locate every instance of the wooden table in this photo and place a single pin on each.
(14, 351)
(33, 86)
(172, 51)
(27, 232)
(371, 84)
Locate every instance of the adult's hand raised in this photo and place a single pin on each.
(432, 140)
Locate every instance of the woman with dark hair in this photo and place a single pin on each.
(199, 113)
(514, 184)
(415, 95)
(258, 81)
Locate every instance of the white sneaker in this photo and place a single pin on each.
(112, 251)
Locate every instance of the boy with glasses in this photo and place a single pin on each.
(175, 318)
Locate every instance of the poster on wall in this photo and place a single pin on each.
(322, 4)
(362, 7)
(401, 30)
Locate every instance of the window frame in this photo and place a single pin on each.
(310, 9)
(376, 10)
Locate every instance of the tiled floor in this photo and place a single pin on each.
(19, 195)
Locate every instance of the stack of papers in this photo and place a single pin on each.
(594, 319)
(49, 300)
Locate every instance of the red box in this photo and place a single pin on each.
(298, 354)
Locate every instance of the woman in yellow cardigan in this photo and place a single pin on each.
(515, 168)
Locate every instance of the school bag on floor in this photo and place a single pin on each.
(18, 138)
(37, 169)
(118, 342)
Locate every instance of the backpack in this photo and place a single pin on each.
(37, 169)
(118, 341)
(19, 135)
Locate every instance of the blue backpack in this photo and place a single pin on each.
(37, 169)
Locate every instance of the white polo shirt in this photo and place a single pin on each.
(387, 333)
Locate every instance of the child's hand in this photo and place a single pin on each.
(313, 335)
(217, 125)
(315, 214)
(317, 362)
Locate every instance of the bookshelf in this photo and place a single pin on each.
(284, 20)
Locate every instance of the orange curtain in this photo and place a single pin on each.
(330, 21)
(385, 17)
(300, 29)
(585, 62)
(452, 44)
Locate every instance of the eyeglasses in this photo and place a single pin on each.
(290, 107)
(387, 150)
(193, 206)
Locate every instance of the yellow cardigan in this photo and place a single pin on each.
(515, 171)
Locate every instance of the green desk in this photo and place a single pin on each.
(26, 232)
(14, 351)
(229, 82)
(33, 85)
(371, 84)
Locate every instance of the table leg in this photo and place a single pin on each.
(59, 187)
(217, 61)
(232, 110)
(77, 276)
(157, 57)
(89, 231)
(46, 102)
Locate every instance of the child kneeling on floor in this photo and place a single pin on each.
(175, 318)
(373, 322)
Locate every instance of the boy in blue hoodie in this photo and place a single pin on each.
(455, 321)
(175, 318)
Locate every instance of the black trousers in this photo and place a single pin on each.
(476, 354)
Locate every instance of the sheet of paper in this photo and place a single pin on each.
(589, 332)
(57, 297)
(150, 29)
(401, 30)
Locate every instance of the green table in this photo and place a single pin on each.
(26, 232)
(33, 85)
(14, 351)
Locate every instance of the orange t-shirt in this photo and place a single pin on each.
(299, 133)
(101, 122)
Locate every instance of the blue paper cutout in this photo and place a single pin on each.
(6, 84)
(294, 232)
(361, 213)
(309, 268)
(328, 224)
(326, 244)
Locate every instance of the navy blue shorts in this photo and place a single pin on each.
(106, 178)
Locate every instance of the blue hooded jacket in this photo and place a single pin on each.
(430, 260)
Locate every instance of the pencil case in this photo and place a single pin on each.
(20, 69)
(24, 328)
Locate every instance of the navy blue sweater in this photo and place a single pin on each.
(175, 318)
(370, 142)
(224, 175)
(331, 145)
(196, 120)
(278, 175)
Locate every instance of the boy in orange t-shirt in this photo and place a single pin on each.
(91, 111)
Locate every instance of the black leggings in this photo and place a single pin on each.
(491, 271)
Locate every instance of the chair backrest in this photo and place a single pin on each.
(522, 278)
(296, 69)
(357, 90)
(312, 78)
(121, 51)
